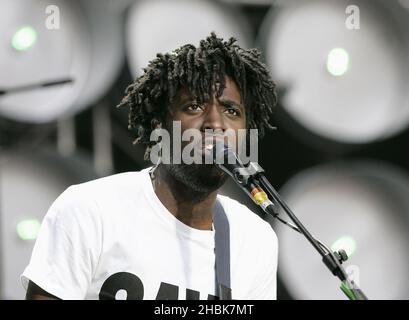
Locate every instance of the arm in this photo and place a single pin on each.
(65, 251)
(34, 292)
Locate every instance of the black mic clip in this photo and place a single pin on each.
(244, 175)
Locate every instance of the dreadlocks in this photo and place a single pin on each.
(198, 69)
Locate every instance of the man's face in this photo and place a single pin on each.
(219, 114)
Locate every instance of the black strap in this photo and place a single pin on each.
(222, 249)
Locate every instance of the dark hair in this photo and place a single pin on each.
(197, 70)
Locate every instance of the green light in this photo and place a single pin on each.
(337, 62)
(345, 242)
(28, 229)
(24, 38)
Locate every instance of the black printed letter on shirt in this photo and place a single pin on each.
(125, 281)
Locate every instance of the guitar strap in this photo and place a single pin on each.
(222, 248)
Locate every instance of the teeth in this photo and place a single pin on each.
(209, 147)
(209, 143)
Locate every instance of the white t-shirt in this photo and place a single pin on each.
(113, 238)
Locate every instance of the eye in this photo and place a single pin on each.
(193, 107)
(233, 112)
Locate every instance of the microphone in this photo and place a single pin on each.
(227, 160)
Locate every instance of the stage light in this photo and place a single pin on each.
(404, 4)
(342, 85)
(346, 243)
(337, 62)
(361, 207)
(86, 47)
(24, 38)
(29, 183)
(162, 26)
(28, 229)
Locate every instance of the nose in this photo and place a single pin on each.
(213, 118)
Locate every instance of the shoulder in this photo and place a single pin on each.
(109, 184)
(105, 188)
(84, 200)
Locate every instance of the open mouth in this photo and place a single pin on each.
(204, 150)
(211, 145)
(211, 142)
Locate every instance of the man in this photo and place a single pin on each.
(149, 234)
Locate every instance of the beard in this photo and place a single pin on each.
(201, 179)
(198, 180)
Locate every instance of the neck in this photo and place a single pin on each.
(190, 207)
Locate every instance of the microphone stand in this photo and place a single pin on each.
(252, 180)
